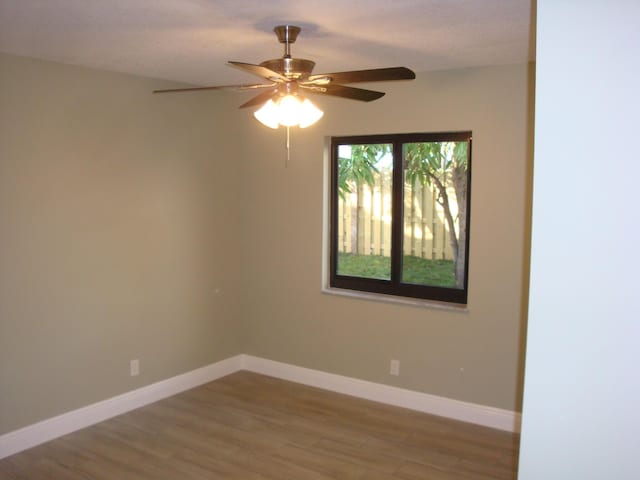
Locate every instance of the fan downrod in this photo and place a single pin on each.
(287, 34)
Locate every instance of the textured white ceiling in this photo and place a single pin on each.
(191, 40)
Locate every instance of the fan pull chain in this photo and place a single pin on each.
(288, 147)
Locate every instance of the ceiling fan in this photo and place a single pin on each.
(282, 101)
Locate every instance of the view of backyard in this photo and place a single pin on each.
(434, 212)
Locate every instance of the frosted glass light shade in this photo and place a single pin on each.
(289, 111)
(268, 114)
(309, 113)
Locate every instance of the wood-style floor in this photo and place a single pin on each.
(248, 426)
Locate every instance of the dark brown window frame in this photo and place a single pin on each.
(395, 287)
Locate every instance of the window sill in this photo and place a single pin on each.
(379, 297)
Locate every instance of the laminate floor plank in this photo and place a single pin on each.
(248, 426)
(314, 460)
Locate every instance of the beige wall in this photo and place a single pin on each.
(474, 356)
(122, 213)
(117, 223)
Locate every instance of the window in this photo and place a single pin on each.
(400, 214)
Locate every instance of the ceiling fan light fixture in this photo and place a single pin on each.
(289, 111)
(309, 113)
(287, 76)
(268, 114)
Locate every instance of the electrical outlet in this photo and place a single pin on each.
(134, 367)
(394, 367)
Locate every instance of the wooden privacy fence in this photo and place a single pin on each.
(364, 220)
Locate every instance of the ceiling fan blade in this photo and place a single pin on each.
(259, 99)
(260, 71)
(217, 87)
(349, 92)
(373, 75)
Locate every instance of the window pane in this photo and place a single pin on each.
(435, 219)
(364, 210)
(400, 214)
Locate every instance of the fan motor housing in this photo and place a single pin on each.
(290, 67)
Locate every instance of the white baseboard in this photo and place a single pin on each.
(32, 435)
(422, 402)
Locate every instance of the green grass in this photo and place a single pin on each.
(416, 270)
(368, 266)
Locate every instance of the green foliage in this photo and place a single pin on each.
(360, 167)
(428, 161)
(417, 270)
(423, 163)
(460, 154)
